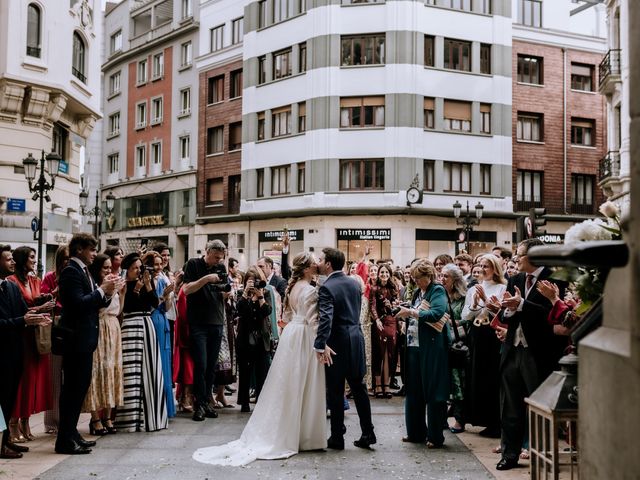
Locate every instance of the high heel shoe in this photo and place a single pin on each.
(26, 430)
(109, 426)
(15, 436)
(97, 431)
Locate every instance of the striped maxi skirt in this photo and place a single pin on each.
(145, 407)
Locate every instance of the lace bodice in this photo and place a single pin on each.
(303, 305)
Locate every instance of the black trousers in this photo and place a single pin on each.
(251, 359)
(205, 348)
(518, 379)
(9, 381)
(76, 378)
(335, 401)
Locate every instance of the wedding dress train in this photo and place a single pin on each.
(290, 415)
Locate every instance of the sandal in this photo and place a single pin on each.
(524, 454)
(26, 429)
(497, 449)
(97, 431)
(431, 445)
(15, 435)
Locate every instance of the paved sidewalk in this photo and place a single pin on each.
(167, 454)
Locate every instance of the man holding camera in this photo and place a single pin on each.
(205, 280)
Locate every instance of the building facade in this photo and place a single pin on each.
(150, 123)
(49, 101)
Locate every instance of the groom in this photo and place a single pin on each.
(339, 326)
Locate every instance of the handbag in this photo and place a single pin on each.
(43, 339)
(458, 351)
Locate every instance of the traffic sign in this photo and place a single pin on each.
(35, 224)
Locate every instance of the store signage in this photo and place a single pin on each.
(148, 221)
(364, 234)
(63, 167)
(16, 205)
(276, 235)
(552, 238)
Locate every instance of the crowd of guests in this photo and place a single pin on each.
(158, 341)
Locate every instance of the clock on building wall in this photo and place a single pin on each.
(414, 194)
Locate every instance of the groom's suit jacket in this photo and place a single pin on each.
(339, 300)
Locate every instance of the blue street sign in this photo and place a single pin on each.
(63, 167)
(34, 224)
(16, 205)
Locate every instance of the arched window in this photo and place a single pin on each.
(78, 68)
(33, 30)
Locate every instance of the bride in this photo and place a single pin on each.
(290, 415)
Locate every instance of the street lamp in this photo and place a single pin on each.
(40, 190)
(467, 222)
(96, 211)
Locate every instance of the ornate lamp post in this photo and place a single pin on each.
(467, 222)
(96, 211)
(40, 190)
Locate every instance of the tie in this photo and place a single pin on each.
(529, 282)
(86, 272)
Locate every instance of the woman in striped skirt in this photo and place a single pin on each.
(145, 407)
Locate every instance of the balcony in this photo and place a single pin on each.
(524, 204)
(582, 208)
(609, 166)
(609, 71)
(150, 35)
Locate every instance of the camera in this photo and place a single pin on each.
(223, 284)
(260, 284)
(396, 310)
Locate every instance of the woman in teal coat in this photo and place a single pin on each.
(427, 366)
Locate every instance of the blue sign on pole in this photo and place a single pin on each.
(63, 167)
(34, 224)
(16, 205)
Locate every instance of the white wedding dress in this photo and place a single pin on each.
(290, 415)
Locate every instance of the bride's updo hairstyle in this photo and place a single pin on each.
(301, 262)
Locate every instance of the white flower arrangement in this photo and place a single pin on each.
(587, 231)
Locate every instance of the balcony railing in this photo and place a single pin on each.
(78, 74)
(523, 205)
(150, 35)
(610, 65)
(582, 208)
(33, 51)
(609, 166)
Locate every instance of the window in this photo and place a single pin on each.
(186, 54)
(485, 58)
(158, 65)
(185, 147)
(582, 77)
(156, 110)
(114, 124)
(33, 31)
(282, 9)
(301, 177)
(530, 69)
(363, 50)
(457, 177)
(59, 140)
(261, 126)
(113, 163)
(530, 12)
(215, 91)
(530, 127)
(141, 156)
(485, 118)
(582, 132)
(260, 182)
(528, 189)
(77, 68)
(429, 112)
(142, 72)
(237, 30)
(429, 175)
(235, 136)
(115, 43)
(215, 190)
(262, 13)
(485, 7)
(360, 112)
(429, 51)
(217, 38)
(302, 117)
(302, 61)
(458, 4)
(457, 55)
(282, 64)
(185, 101)
(362, 174)
(485, 179)
(281, 121)
(262, 69)
(186, 198)
(186, 10)
(457, 115)
(156, 153)
(114, 83)
(280, 180)
(235, 88)
(582, 193)
(141, 115)
(302, 6)
(214, 140)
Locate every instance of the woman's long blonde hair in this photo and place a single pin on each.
(301, 262)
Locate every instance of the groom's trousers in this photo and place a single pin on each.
(335, 401)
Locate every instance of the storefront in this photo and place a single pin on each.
(353, 242)
(270, 243)
(431, 243)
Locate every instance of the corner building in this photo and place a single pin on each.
(345, 106)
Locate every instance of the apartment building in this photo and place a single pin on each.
(150, 130)
(49, 101)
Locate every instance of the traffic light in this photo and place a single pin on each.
(537, 221)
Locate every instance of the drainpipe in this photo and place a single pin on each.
(564, 130)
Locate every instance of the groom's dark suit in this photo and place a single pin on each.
(339, 300)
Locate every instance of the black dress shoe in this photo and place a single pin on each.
(17, 448)
(71, 448)
(335, 443)
(245, 409)
(365, 441)
(198, 414)
(210, 412)
(9, 453)
(85, 443)
(507, 464)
